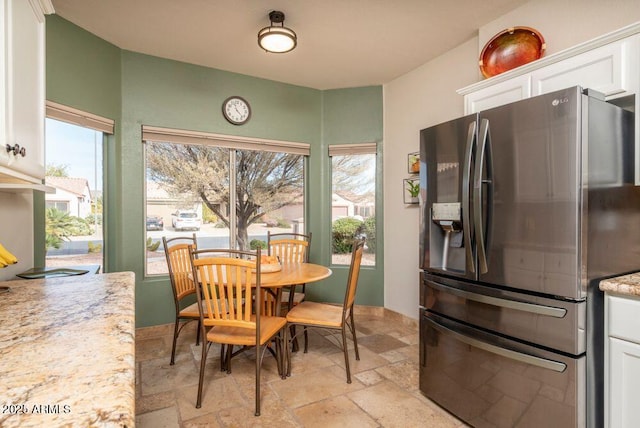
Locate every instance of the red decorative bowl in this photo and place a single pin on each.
(511, 48)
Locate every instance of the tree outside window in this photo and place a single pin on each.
(266, 188)
(353, 206)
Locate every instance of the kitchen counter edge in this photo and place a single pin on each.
(68, 351)
(628, 285)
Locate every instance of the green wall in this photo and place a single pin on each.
(135, 89)
(352, 115)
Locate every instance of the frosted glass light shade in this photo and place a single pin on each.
(277, 39)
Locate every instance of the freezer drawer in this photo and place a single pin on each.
(556, 324)
(487, 380)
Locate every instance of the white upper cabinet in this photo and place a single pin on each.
(605, 69)
(499, 94)
(22, 91)
(609, 64)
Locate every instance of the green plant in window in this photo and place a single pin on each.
(152, 246)
(368, 229)
(344, 231)
(94, 248)
(413, 187)
(257, 243)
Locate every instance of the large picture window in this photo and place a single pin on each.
(353, 197)
(73, 212)
(228, 196)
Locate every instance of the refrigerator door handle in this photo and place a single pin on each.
(533, 308)
(466, 199)
(484, 157)
(503, 352)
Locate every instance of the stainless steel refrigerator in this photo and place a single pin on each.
(524, 209)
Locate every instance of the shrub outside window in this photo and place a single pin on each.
(353, 200)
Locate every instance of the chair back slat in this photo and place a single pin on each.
(354, 273)
(176, 251)
(289, 250)
(289, 247)
(226, 284)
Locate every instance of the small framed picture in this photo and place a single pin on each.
(413, 163)
(411, 190)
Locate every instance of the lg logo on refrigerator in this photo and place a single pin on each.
(557, 101)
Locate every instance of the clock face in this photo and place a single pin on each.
(236, 110)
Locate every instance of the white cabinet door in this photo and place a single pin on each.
(515, 89)
(23, 94)
(624, 383)
(604, 69)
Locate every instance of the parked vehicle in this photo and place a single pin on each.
(155, 222)
(185, 219)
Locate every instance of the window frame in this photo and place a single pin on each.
(346, 150)
(233, 144)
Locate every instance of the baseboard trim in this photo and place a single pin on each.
(166, 329)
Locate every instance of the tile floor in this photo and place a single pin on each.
(383, 393)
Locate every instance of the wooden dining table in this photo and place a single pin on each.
(294, 273)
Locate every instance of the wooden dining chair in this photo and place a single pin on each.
(224, 282)
(322, 315)
(290, 248)
(176, 251)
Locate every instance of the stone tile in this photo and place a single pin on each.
(158, 376)
(403, 373)
(384, 391)
(298, 391)
(149, 403)
(152, 348)
(334, 412)
(370, 377)
(368, 360)
(273, 413)
(165, 418)
(391, 406)
(217, 394)
(393, 356)
(381, 343)
(154, 331)
(207, 421)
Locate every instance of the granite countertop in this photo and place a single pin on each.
(67, 352)
(626, 284)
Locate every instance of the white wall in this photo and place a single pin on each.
(16, 231)
(427, 96)
(419, 99)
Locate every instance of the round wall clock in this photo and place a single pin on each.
(236, 110)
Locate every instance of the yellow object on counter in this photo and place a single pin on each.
(6, 258)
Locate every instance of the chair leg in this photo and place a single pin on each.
(223, 365)
(306, 339)
(288, 345)
(227, 361)
(346, 353)
(283, 356)
(203, 361)
(175, 340)
(258, 364)
(353, 333)
(198, 336)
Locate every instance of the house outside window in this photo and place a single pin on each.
(353, 198)
(62, 206)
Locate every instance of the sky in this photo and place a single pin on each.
(80, 149)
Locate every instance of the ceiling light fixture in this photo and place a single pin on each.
(277, 39)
